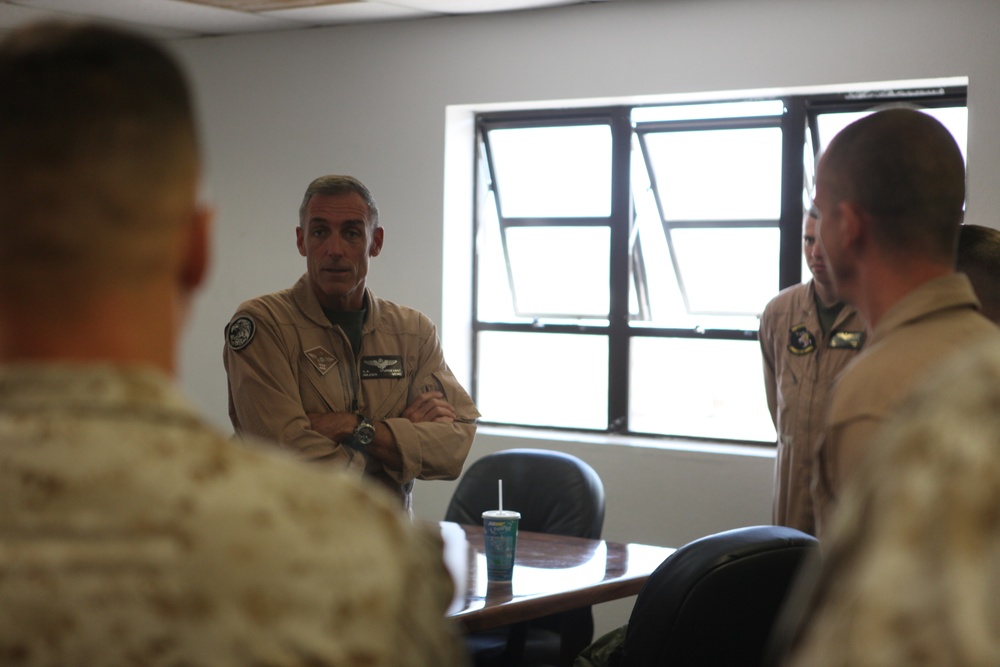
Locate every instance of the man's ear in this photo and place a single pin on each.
(300, 240)
(855, 230)
(197, 248)
(378, 237)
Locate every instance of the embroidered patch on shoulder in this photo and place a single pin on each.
(800, 340)
(322, 360)
(387, 367)
(240, 332)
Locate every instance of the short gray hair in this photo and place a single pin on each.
(336, 184)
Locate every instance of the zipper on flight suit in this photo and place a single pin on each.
(355, 384)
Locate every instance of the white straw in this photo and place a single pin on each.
(500, 493)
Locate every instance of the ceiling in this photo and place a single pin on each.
(173, 19)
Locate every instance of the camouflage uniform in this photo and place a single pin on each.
(910, 561)
(132, 533)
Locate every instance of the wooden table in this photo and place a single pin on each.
(552, 573)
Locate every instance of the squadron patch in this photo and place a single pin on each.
(382, 367)
(240, 332)
(800, 340)
(322, 360)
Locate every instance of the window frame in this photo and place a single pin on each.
(799, 119)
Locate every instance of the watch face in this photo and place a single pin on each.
(364, 433)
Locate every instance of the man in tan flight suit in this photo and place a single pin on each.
(335, 374)
(807, 336)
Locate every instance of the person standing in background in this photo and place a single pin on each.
(807, 337)
(339, 376)
(979, 259)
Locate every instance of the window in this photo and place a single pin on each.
(623, 255)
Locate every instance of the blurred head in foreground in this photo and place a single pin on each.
(101, 233)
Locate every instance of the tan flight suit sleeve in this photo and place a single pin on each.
(841, 453)
(766, 338)
(434, 450)
(265, 399)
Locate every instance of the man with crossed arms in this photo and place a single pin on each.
(339, 376)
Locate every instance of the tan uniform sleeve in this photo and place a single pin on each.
(434, 450)
(846, 448)
(766, 338)
(265, 401)
(841, 453)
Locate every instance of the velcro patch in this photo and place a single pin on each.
(800, 340)
(240, 332)
(321, 359)
(382, 367)
(847, 339)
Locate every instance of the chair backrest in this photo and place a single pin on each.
(555, 493)
(715, 601)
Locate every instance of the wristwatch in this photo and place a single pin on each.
(363, 434)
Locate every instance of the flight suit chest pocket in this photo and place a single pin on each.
(384, 384)
(321, 383)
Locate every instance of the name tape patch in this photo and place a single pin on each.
(847, 339)
(382, 367)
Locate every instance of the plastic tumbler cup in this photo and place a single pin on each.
(501, 539)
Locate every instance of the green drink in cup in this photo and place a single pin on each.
(500, 528)
(501, 540)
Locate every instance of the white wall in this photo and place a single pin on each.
(279, 109)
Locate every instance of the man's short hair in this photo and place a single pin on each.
(905, 170)
(334, 185)
(98, 152)
(979, 258)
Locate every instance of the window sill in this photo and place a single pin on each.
(647, 442)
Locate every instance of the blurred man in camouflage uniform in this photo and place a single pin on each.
(131, 532)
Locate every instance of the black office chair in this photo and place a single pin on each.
(715, 601)
(555, 493)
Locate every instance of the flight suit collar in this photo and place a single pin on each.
(846, 313)
(305, 298)
(951, 291)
